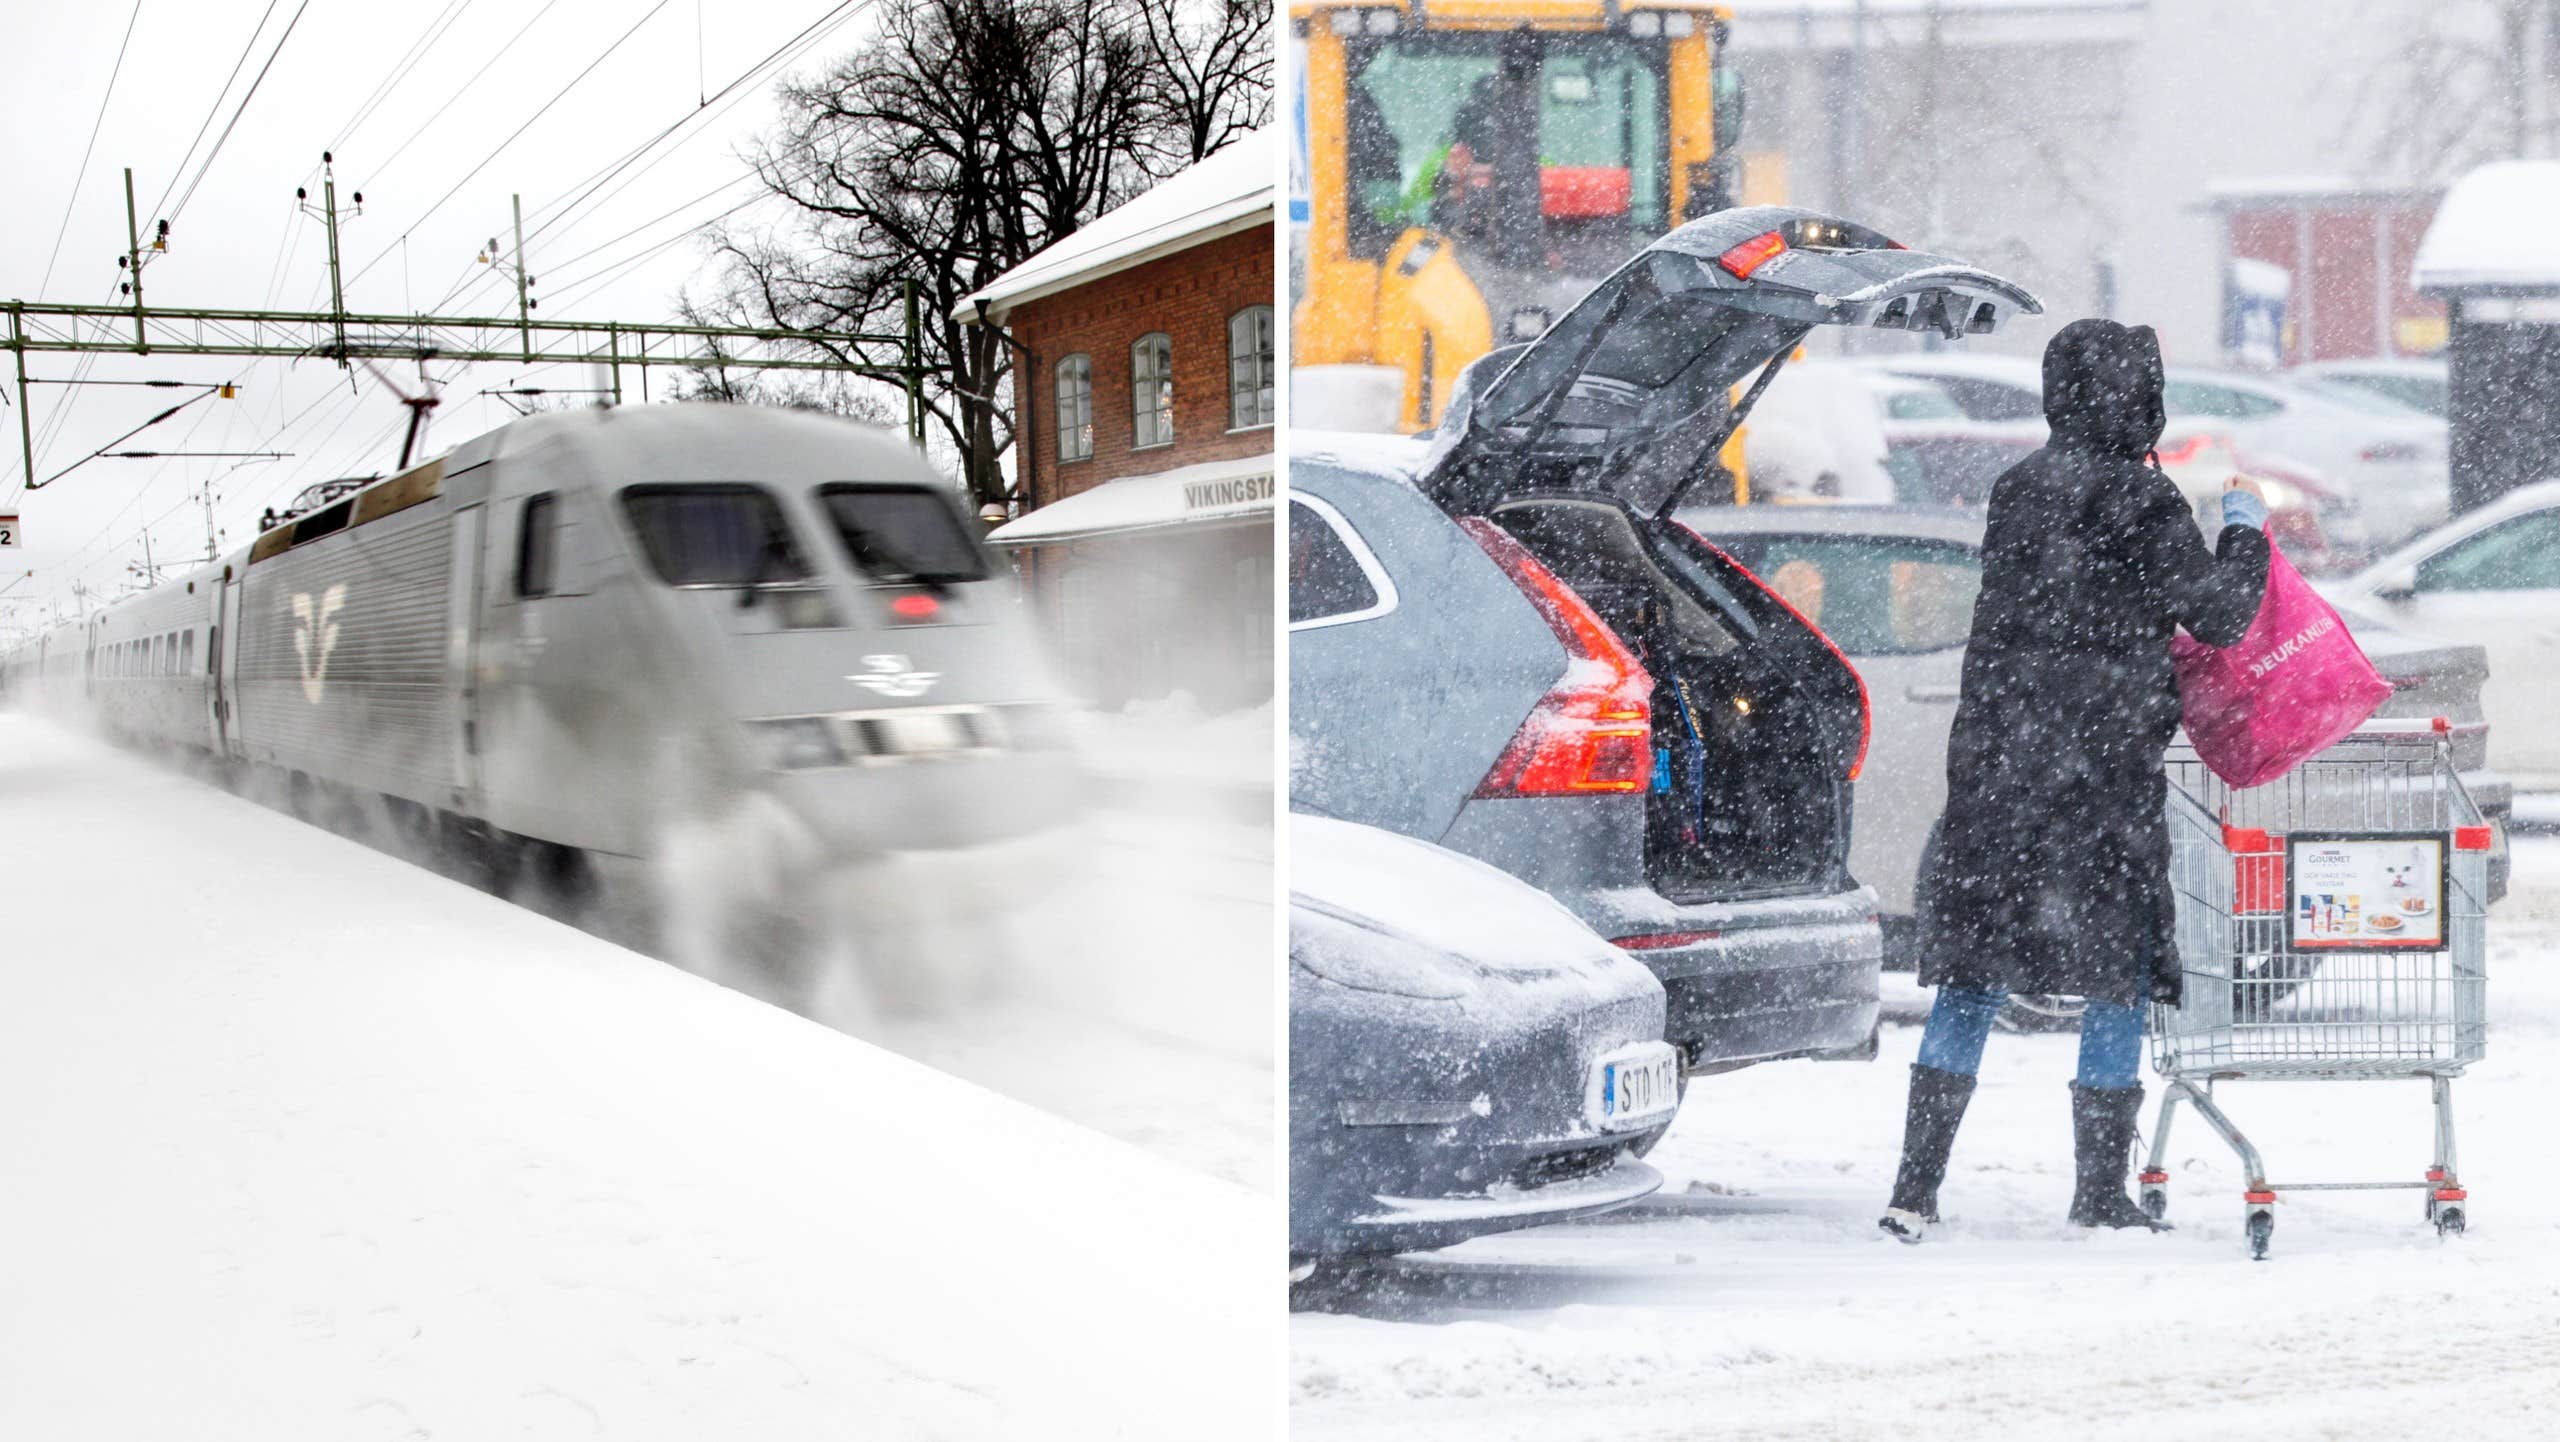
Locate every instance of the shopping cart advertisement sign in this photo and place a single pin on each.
(2372, 892)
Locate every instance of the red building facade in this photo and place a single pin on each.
(1195, 298)
(1146, 401)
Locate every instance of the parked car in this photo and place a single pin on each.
(1818, 433)
(2489, 579)
(2391, 461)
(1894, 586)
(2304, 511)
(1464, 1056)
(2384, 469)
(1501, 642)
(2418, 385)
(1839, 430)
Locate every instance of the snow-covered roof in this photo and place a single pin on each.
(1187, 495)
(1228, 192)
(2494, 231)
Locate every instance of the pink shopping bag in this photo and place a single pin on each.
(2296, 683)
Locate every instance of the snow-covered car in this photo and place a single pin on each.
(2391, 461)
(2419, 385)
(2382, 468)
(1894, 586)
(2489, 579)
(1464, 1056)
(1848, 431)
(1501, 642)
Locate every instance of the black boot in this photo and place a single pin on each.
(2102, 1151)
(1929, 1124)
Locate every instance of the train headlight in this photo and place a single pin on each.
(797, 743)
(806, 611)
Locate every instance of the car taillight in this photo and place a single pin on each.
(1663, 940)
(1593, 730)
(1866, 708)
(2179, 453)
(1752, 254)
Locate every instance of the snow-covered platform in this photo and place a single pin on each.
(299, 1140)
(1754, 1297)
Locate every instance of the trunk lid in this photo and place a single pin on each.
(1628, 394)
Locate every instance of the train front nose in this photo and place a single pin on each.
(922, 777)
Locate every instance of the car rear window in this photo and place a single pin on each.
(718, 534)
(1872, 595)
(904, 533)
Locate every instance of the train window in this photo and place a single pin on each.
(187, 652)
(537, 545)
(714, 535)
(904, 533)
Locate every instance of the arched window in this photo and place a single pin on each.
(1249, 369)
(1151, 391)
(1075, 408)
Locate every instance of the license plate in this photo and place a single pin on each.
(1636, 1087)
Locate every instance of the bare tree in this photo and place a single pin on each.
(962, 139)
(1213, 59)
(2472, 81)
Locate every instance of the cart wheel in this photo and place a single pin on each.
(2262, 1230)
(2449, 1222)
(2155, 1202)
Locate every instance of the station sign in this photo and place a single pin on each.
(8, 530)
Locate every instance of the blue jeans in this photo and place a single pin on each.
(1960, 1021)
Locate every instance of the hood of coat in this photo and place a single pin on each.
(2102, 388)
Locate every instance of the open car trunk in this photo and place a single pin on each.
(1757, 722)
(1581, 445)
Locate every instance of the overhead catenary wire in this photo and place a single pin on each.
(560, 210)
(62, 413)
(514, 135)
(455, 96)
(242, 109)
(214, 109)
(82, 174)
(401, 69)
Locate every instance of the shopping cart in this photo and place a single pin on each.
(2332, 926)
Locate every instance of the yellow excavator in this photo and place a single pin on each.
(1473, 167)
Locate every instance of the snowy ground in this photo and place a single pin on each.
(300, 1140)
(1756, 1298)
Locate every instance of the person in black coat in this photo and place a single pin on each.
(2051, 872)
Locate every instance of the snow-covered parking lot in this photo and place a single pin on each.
(299, 1140)
(1754, 1296)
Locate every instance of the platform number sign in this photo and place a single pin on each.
(8, 530)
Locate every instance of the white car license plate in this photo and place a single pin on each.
(1636, 1086)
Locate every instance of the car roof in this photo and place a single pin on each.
(2541, 495)
(1936, 523)
(2008, 369)
(2375, 365)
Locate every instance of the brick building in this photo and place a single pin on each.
(1145, 403)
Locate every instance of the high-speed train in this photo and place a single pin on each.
(576, 632)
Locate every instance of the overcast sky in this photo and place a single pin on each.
(238, 241)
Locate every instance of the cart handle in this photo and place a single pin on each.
(2412, 726)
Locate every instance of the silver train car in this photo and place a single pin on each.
(583, 629)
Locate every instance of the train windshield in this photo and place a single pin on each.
(904, 534)
(714, 535)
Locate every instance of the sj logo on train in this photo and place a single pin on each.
(315, 635)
